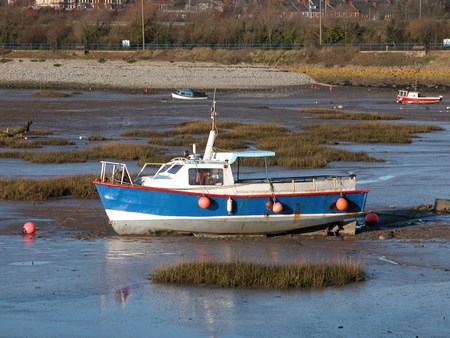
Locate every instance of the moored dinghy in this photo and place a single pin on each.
(207, 194)
(405, 96)
(189, 94)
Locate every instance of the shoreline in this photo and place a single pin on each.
(139, 75)
(206, 69)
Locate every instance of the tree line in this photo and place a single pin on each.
(266, 25)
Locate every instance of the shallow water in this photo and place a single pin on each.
(412, 174)
(55, 285)
(59, 286)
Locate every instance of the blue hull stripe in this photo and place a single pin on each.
(165, 202)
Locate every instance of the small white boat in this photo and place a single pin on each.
(189, 94)
(207, 194)
(405, 96)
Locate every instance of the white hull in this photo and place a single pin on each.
(182, 97)
(126, 223)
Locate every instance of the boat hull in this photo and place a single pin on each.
(134, 210)
(183, 97)
(422, 100)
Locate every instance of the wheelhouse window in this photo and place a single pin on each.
(174, 169)
(169, 169)
(205, 176)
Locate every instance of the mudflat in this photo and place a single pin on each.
(76, 277)
(108, 114)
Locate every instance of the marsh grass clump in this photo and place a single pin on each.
(39, 132)
(329, 114)
(144, 133)
(124, 151)
(16, 143)
(26, 189)
(93, 138)
(203, 127)
(46, 157)
(30, 144)
(44, 93)
(176, 141)
(113, 150)
(53, 142)
(256, 275)
(306, 148)
(370, 132)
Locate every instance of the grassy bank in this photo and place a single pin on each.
(24, 189)
(254, 275)
(331, 65)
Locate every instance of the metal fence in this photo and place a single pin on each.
(408, 46)
(230, 46)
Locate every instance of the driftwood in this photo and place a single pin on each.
(20, 132)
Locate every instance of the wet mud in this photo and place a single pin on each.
(76, 277)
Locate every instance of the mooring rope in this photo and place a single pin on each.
(60, 224)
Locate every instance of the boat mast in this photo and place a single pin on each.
(213, 132)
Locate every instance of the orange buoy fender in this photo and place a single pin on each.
(204, 202)
(371, 219)
(28, 228)
(269, 204)
(342, 204)
(277, 207)
(230, 205)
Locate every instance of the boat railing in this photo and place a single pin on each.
(115, 172)
(313, 183)
(298, 179)
(146, 166)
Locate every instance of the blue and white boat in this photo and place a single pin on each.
(189, 94)
(206, 194)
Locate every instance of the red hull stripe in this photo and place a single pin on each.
(124, 186)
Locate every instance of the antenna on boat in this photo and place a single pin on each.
(213, 133)
(213, 112)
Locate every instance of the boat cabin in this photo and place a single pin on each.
(191, 172)
(405, 93)
(185, 92)
(408, 94)
(189, 93)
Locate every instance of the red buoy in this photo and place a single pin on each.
(371, 219)
(269, 204)
(277, 207)
(204, 202)
(28, 228)
(342, 204)
(28, 239)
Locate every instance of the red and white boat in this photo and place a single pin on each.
(405, 96)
